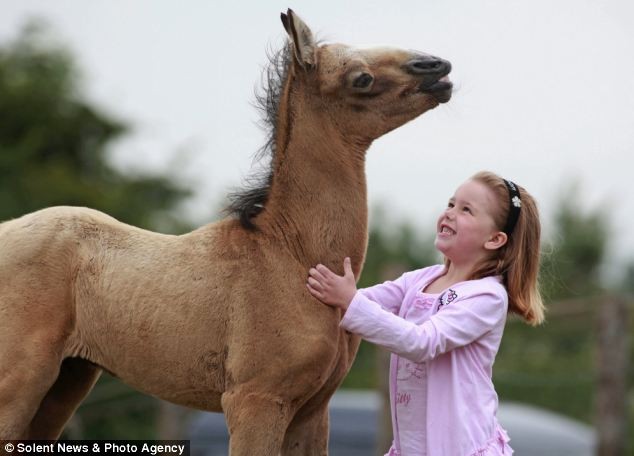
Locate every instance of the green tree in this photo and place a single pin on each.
(572, 260)
(53, 141)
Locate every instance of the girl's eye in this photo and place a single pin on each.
(466, 209)
(450, 204)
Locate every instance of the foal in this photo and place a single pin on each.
(217, 319)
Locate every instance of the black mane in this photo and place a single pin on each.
(249, 201)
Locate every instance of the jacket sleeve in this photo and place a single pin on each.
(455, 325)
(388, 295)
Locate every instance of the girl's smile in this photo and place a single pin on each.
(445, 230)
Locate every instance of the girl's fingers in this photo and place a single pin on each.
(325, 271)
(316, 274)
(315, 284)
(314, 292)
(320, 296)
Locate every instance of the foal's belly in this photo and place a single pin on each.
(179, 358)
(195, 380)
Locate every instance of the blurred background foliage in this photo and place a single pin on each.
(54, 151)
(54, 142)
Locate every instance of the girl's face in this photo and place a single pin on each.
(465, 231)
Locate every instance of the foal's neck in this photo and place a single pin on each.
(317, 204)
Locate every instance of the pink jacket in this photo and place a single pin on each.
(459, 343)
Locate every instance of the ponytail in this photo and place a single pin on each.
(518, 260)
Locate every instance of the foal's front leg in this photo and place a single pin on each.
(256, 422)
(307, 435)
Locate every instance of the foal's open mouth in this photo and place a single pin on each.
(434, 72)
(440, 90)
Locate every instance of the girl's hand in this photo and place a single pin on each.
(331, 289)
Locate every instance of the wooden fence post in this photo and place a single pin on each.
(612, 366)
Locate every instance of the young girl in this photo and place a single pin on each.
(444, 323)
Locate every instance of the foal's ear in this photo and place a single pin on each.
(301, 37)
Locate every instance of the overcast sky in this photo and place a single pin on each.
(544, 92)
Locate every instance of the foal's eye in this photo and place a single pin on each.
(362, 81)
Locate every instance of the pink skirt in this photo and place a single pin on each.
(497, 446)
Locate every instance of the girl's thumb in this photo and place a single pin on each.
(347, 266)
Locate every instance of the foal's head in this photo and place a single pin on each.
(337, 92)
(366, 92)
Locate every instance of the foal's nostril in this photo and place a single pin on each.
(429, 65)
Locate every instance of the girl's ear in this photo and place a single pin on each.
(496, 241)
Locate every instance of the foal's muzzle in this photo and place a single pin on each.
(433, 71)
